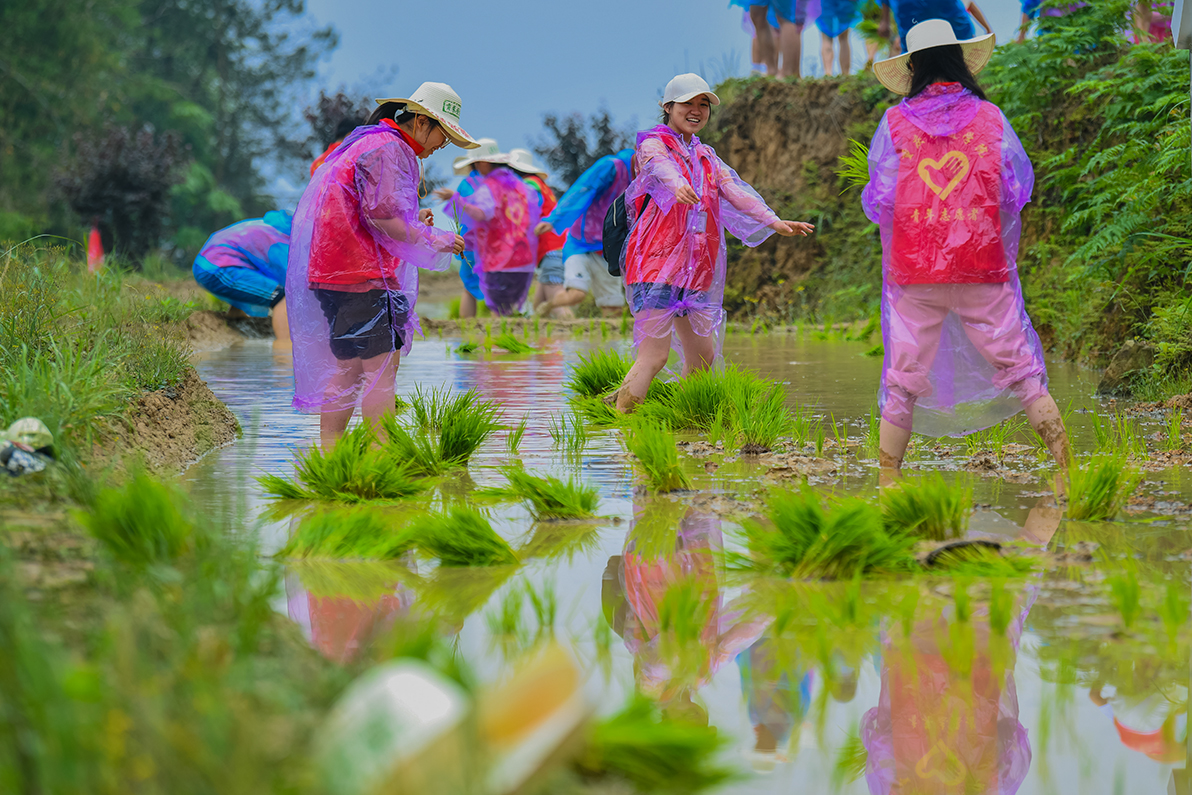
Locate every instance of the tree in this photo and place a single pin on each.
(327, 114)
(573, 143)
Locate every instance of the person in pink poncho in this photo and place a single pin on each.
(947, 182)
(357, 242)
(679, 204)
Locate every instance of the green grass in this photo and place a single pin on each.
(653, 753)
(656, 456)
(418, 450)
(467, 346)
(515, 436)
(1174, 437)
(598, 373)
(568, 432)
(462, 537)
(760, 419)
(347, 534)
(928, 507)
(806, 538)
(1118, 434)
(1100, 487)
(550, 497)
(462, 420)
(512, 344)
(144, 522)
(354, 470)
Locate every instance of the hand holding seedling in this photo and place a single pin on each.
(543, 227)
(458, 246)
(792, 228)
(427, 217)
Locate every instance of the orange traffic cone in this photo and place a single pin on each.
(94, 250)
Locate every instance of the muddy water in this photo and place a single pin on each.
(1059, 700)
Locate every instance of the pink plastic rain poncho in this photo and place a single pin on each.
(674, 257)
(947, 181)
(346, 269)
(506, 246)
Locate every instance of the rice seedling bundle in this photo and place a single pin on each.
(418, 451)
(550, 497)
(657, 456)
(928, 508)
(761, 418)
(598, 373)
(462, 537)
(512, 344)
(350, 534)
(516, 434)
(1098, 489)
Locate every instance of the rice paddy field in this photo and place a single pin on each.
(956, 633)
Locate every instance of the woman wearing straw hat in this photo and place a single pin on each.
(679, 205)
(473, 167)
(357, 242)
(550, 243)
(947, 182)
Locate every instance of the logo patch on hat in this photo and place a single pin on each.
(451, 108)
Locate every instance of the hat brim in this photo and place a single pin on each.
(895, 73)
(455, 134)
(715, 100)
(463, 165)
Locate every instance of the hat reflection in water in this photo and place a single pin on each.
(358, 240)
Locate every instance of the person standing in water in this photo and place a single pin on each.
(583, 208)
(550, 245)
(473, 168)
(948, 179)
(679, 204)
(357, 243)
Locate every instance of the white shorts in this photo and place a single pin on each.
(589, 273)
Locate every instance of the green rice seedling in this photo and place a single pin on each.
(603, 330)
(873, 426)
(760, 418)
(806, 539)
(654, 753)
(536, 318)
(1118, 434)
(602, 641)
(720, 428)
(691, 402)
(596, 412)
(354, 470)
(557, 540)
(656, 456)
(430, 406)
(875, 351)
(504, 327)
(854, 167)
(979, 560)
(928, 507)
(1175, 430)
(684, 611)
(470, 421)
(549, 328)
(141, 523)
(514, 439)
(1001, 607)
(1125, 593)
(549, 497)
(400, 405)
(467, 346)
(362, 580)
(851, 759)
(800, 428)
(598, 373)
(462, 537)
(506, 625)
(1103, 431)
(512, 344)
(568, 432)
(417, 450)
(1173, 610)
(626, 322)
(821, 436)
(1099, 488)
(577, 331)
(839, 433)
(349, 534)
(545, 604)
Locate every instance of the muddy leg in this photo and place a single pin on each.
(1044, 416)
(651, 358)
(892, 444)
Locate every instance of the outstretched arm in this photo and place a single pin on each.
(975, 10)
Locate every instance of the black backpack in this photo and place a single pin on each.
(616, 230)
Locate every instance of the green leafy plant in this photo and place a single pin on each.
(656, 456)
(142, 523)
(854, 167)
(512, 344)
(1100, 487)
(516, 434)
(928, 507)
(598, 373)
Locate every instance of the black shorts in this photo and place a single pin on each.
(504, 291)
(649, 295)
(364, 325)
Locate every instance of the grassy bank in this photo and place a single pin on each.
(1107, 244)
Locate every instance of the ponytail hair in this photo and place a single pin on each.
(396, 111)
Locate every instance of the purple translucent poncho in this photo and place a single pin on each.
(506, 247)
(947, 182)
(356, 229)
(674, 258)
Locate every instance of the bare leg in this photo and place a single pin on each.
(754, 51)
(892, 444)
(766, 50)
(846, 54)
(568, 296)
(827, 54)
(333, 422)
(651, 358)
(1045, 418)
(792, 43)
(281, 325)
(381, 373)
(698, 351)
(612, 312)
(467, 305)
(551, 293)
(871, 48)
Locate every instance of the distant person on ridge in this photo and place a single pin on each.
(358, 241)
(682, 199)
(1033, 9)
(835, 20)
(791, 16)
(474, 168)
(581, 212)
(342, 130)
(947, 182)
(908, 13)
(245, 265)
(550, 245)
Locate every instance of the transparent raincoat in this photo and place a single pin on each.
(674, 258)
(259, 243)
(948, 181)
(505, 245)
(357, 245)
(582, 209)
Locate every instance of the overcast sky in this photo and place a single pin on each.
(514, 61)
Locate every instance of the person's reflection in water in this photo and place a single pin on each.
(948, 723)
(777, 698)
(665, 599)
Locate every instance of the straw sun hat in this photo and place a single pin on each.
(441, 103)
(486, 151)
(895, 73)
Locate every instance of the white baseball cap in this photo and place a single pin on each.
(682, 88)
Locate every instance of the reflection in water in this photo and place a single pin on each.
(1149, 714)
